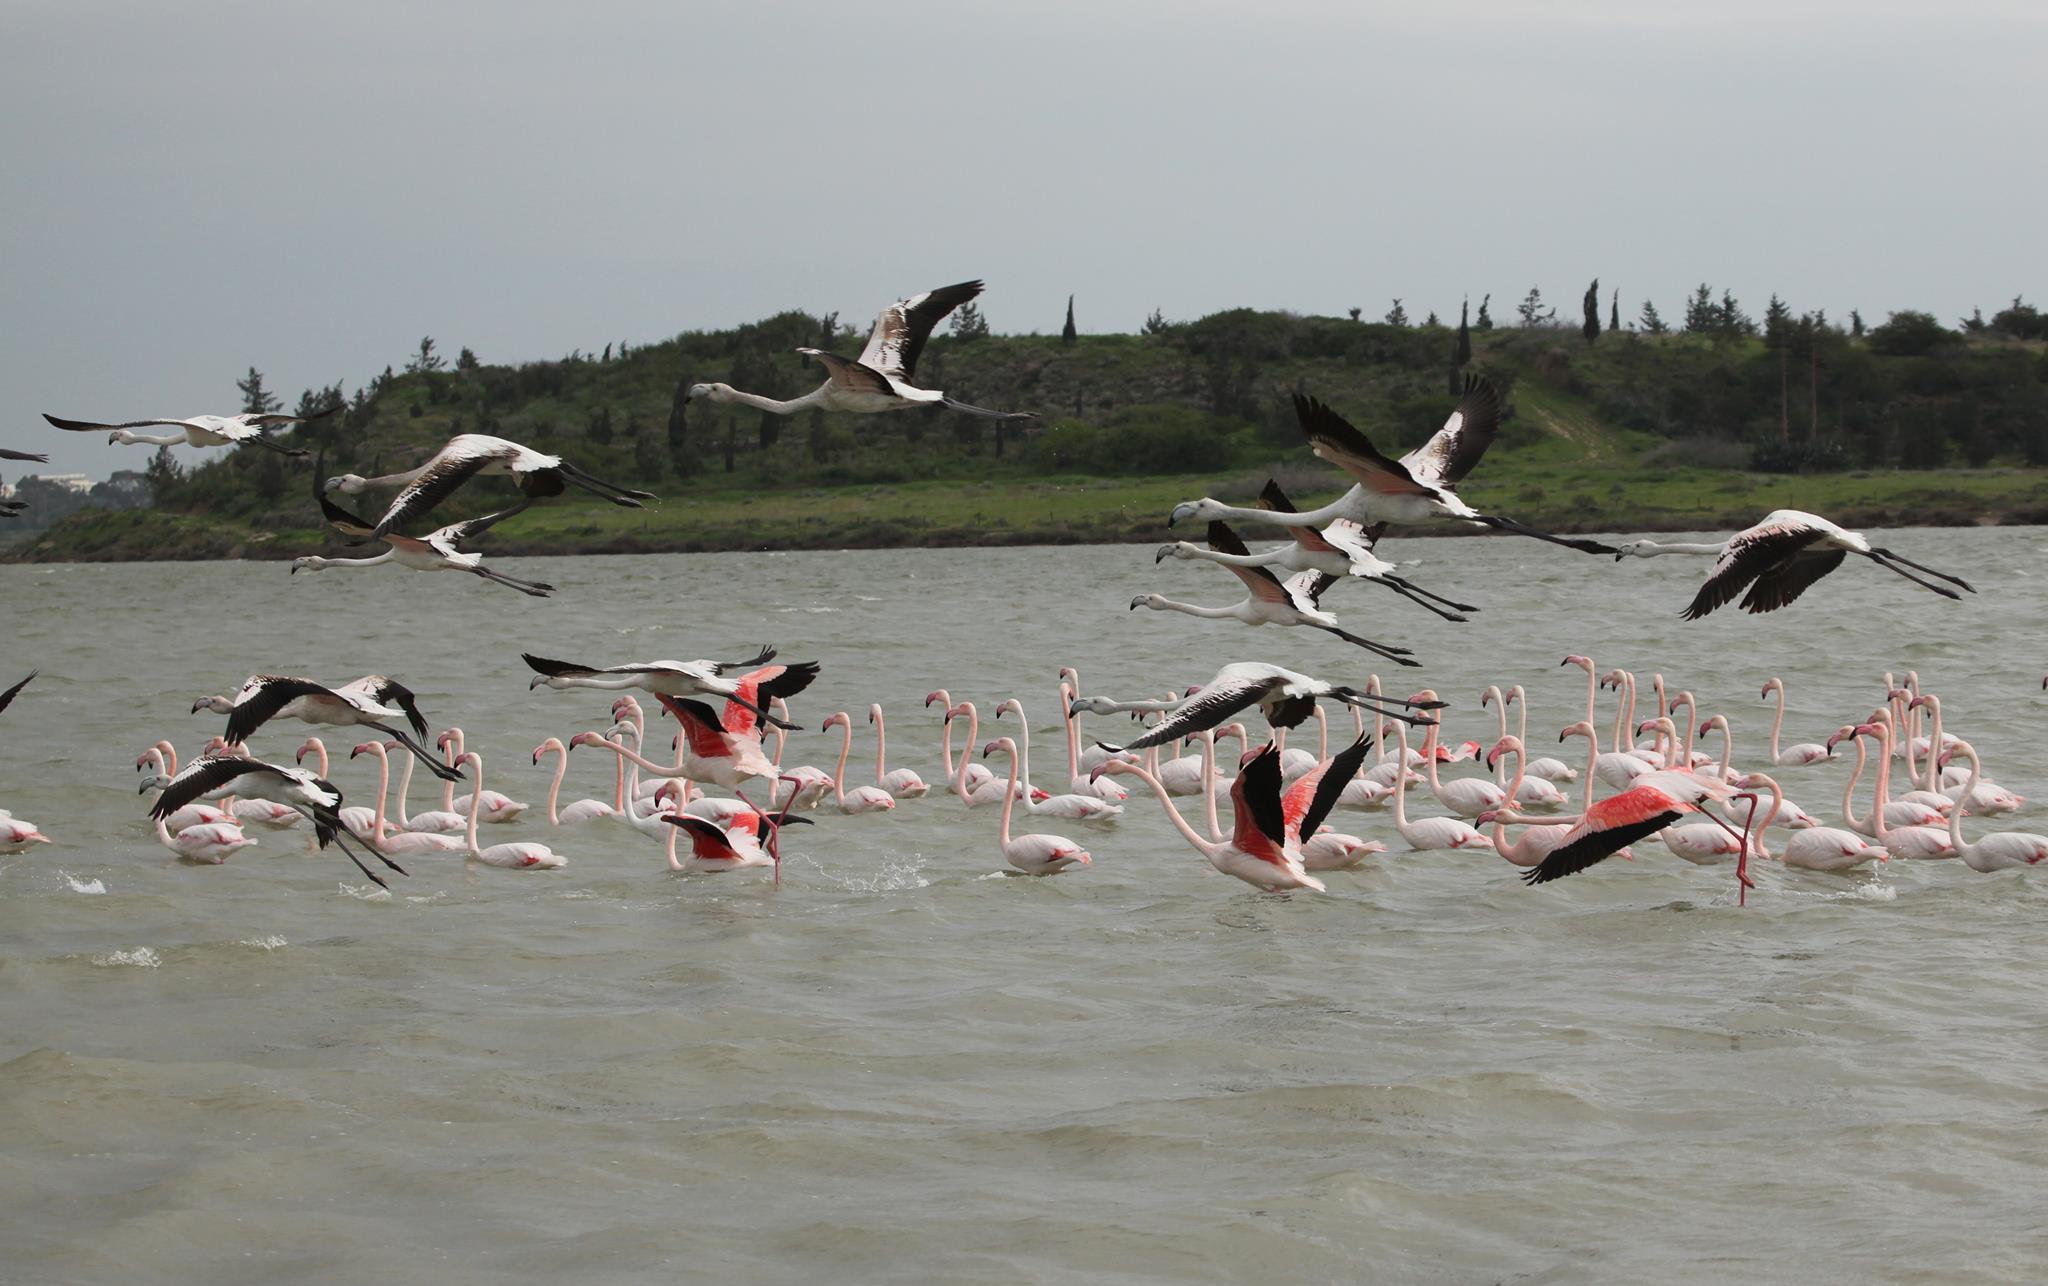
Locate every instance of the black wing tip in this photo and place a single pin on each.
(1272, 497)
(552, 669)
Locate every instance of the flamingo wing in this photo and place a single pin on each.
(1333, 438)
(389, 692)
(709, 843)
(1608, 827)
(463, 457)
(1788, 580)
(700, 726)
(901, 330)
(1761, 550)
(1305, 590)
(1206, 709)
(1255, 795)
(1310, 799)
(9, 453)
(446, 539)
(341, 519)
(204, 774)
(93, 426)
(759, 687)
(1262, 583)
(262, 697)
(1273, 498)
(273, 419)
(1454, 449)
(852, 376)
(7, 697)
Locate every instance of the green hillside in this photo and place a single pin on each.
(1910, 423)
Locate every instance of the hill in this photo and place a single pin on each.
(1911, 423)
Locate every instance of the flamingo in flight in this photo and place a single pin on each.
(1284, 696)
(1655, 801)
(881, 378)
(437, 551)
(1344, 548)
(744, 840)
(1271, 601)
(1777, 560)
(198, 430)
(538, 476)
(264, 697)
(1417, 489)
(9, 453)
(663, 678)
(295, 788)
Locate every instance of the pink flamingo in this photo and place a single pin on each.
(1806, 752)
(581, 810)
(1815, 848)
(1541, 767)
(977, 776)
(1031, 854)
(1654, 802)
(2004, 851)
(1529, 789)
(355, 817)
(497, 809)
(398, 843)
(901, 783)
(208, 844)
(1427, 834)
(18, 833)
(523, 856)
(1073, 807)
(1538, 837)
(1981, 796)
(1919, 840)
(1078, 781)
(861, 799)
(165, 760)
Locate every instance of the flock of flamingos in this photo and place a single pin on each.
(1702, 807)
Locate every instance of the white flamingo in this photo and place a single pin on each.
(861, 799)
(900, 783)
(518, 856)
(1071, 806)
(1031, 854)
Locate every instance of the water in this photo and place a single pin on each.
(897, 1068)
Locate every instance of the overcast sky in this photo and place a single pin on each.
(196, 188)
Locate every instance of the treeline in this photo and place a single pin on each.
(1781, 391)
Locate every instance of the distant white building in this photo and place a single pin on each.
(77, 482)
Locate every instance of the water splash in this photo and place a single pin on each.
(893, 875)
(140, 958)
(269, 942)
(365, 892)
(82, 886)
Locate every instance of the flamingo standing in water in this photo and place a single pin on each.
(976, 775)
(581, 810)
(398, 843)
(1541, 767)
(861, 799)
(1815, 848)
(1538, 837)
(521, 856)
(497, 809)
(1465, 796)
(902, 783)
(17, 834)
(161, 760)
(1078, 781)
(1426, 834)
(1074, 807)
(1032, 854)
(1529, 790)
(2007, 850)
(207, 844)
(1806, 752)
(1980, 795)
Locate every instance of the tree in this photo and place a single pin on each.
(424, 360)
(465, 361)
(648, 464)
(1974, 324)
(1067, 332)
(1156, 324)
(257, 400)
(968, 323)
(606, 359)
(1356, 313)
(1464, 353)
(1650, 321)
(1855, 324)
(600, 428)
(1730, 321)
(163, 475)
(1397, 315)
(1701, 317)
(1591, 303)
(2021, 321)
(1910, 333)
(1778, 339)
(1431, 320)
(1614, 311)
(1531, 310)
(1483, 321)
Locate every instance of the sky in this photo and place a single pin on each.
(194, 189)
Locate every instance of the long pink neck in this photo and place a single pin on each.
(561, 755)
(1934, 749)
(1009, 799)
(1208, 739)
(476, 800)
(946, 735)
(881, 745)
(1778, 722)
(320, 749)
(1207, 848)
(845, 749)
(454, 752)
(383, 789)
(973, 726)
(404, 790)
(1849, 790)
(1400, 776)
(1073, 733)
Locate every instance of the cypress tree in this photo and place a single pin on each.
(1067, 332)
(1483, 322)
(1591, 330)
(1614, 311)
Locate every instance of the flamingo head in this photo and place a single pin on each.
(1500, 748)
(1583, 662)
(1146, 600)
(580, 739)
(1634, 549)
(713, 392)
(1916, 702)
(1012, 705)
(835, 721)
(1771, 685)
(365, 748)
(306, 747)
(940, 695)
(1714, 723)
(1899, 694)
(348, 484)
(307, 563)
(1484, 818)
(442, 742)
(1466, 750)
(1203, 510)
(219, 705)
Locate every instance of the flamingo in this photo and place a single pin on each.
(1466, 796)
(1815, 848)
(1976, 796)
(1789, 550)
(1073, 807)
(207, 844)
(1090, 755)
(581, 810)
(17, 834)
(397, 843)
(197, 430)
(1416, 489)
(802, 788)
(861, 799)
(662, 678)
(1654, 549)
(746, 839)
(497, 809)
(1885, 809)
(1918, 840)
(1653, 803)
(977, 776)
(1078, 781)
(1427, 834)
(1539, 836)
(164, 760)
(903, 783)
(1529, 791)
(1543, 768)
(1294, 762)
(520, 856)
(437, 551)
(1617, 767)
(1284, 696)
(294, 787)
(667, 796)
(1806, 752)
(1271, 601)
(360, 704)
(1324, 849)
(468, 455)
(880, 380)
(438, 821)
(1031, 854)
(990, 791)
(2004, 851)
(1343, 549)
(355, 818)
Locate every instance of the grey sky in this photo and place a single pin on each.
(196, 188)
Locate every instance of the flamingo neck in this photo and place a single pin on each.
(320, 749)
(1777, 723)
(555, 787)
(1210, 849)
(881, 745)
(973, 726)
(1161, 604)
(383, 789)
(1934, 748)
(1208, 740)
(1955, 815)
(727, 393)
(1849, 790)
(1009, 800)
(453, 753)
(476, 803)
(845, 749)
(1073, 733)
(1401, 776)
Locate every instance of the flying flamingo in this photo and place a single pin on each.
(1417, 489)
(369, 702)
(2004, 851)
(578, 811)
(1654, 802)
(1815, 848)
(861, 799)
(662, 678)
(398, 843)
(1283, 696)
(437, 551)
(880, 380)
(197, 430)
(521, 856)
(1073, 807)
(1777, 560)
(468, 455)
(1031, 854)
(903, 783)
(1806, 752)
(314, 796)
(162, 760)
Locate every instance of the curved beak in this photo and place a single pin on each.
(294, 571)
(143, 789)
(930, 697)
(538, 679)
(1136, 603)
(1160, 557)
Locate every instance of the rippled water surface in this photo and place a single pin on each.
(902, 1067)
